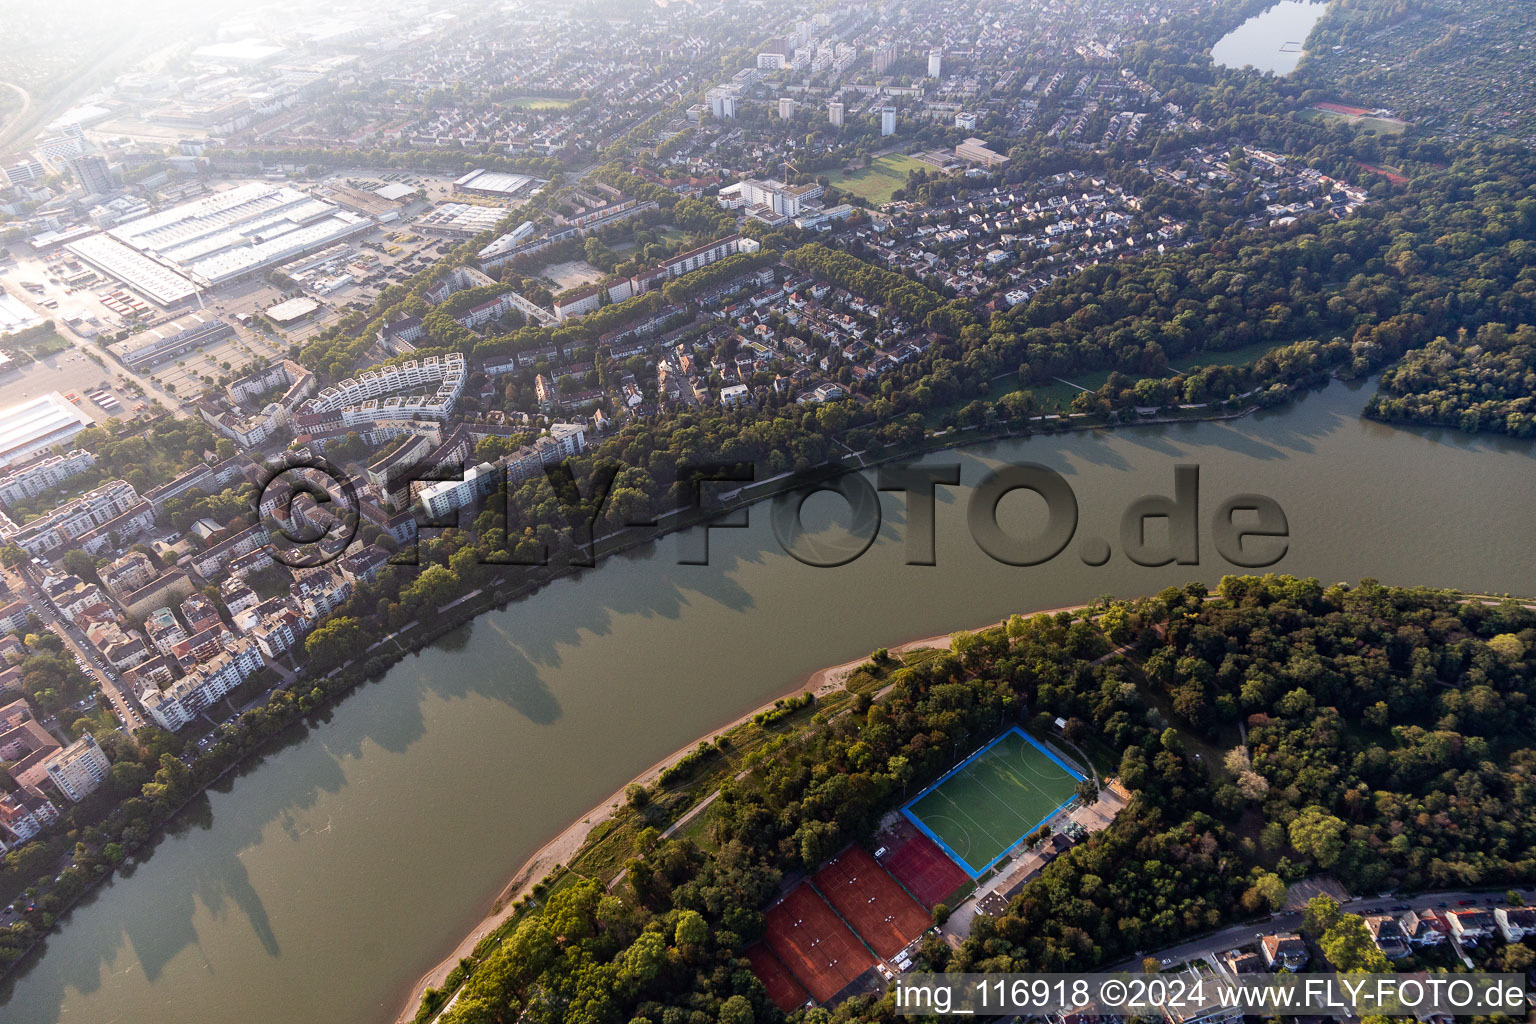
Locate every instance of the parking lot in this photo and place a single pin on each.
(68, 372)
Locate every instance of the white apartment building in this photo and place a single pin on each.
(31, 480)
(444, 374)
(23, 814)
(446, 496)
(76, 518)
(79, 768)
(183, 700)
(563, 441)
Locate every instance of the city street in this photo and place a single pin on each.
(123, 703)
(1289, 921)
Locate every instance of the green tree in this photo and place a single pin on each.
(1319, 835)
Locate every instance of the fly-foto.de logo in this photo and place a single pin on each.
(1249, 531)
(309, 510)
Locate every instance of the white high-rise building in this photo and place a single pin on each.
(888, 121)
(786, 108)
(935, 63)
(79, 768)
(835, 113)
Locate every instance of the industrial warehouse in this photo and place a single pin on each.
(32, 426)
(216, 239)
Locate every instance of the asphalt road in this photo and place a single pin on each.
(119, 696)
(21, 115)
(1243, 934)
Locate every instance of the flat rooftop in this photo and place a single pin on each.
(499, 182)
(38, 423)
(217, 238)
(15, 315)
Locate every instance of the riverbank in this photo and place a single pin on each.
(419, 635)
(563, 848)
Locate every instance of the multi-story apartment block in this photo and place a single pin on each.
(127, 574)
(35, 478)
(199, 614)
(319, 591)
(78, 517)
(163, 629)
(277, 633)
(23, 814)
(13, 616)
(169, 586)
(201, 647)
(562, 442)
(79, 768)
(356, 399)
(445, 496)
(181, 701)
(237, 596)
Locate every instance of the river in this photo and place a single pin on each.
(320, 884)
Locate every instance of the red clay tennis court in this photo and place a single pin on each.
(870, 900)
(787, 993)
(812, 941)
(919, 864)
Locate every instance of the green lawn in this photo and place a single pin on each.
(1373, 125)
(1241, 356)
(879, 180)
(539, 103)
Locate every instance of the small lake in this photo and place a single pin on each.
(1270, 41)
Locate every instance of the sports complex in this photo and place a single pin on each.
(826, 936)
(981, 808)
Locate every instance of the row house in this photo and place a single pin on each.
(1388, 936)
(1515, 923)
(1424, 927)
(1468, 926)
(1283, 951)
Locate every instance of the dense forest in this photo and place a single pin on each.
(1485, 381)
(1388, 742)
